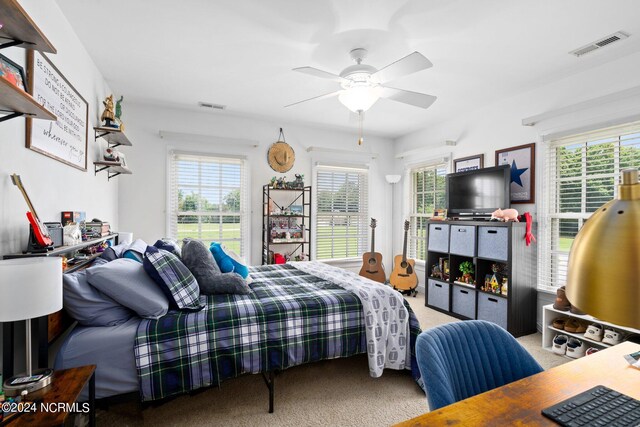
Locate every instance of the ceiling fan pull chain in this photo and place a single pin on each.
(360, 120)
(281, 137)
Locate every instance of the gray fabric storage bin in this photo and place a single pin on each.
(463, 240)
(439, 237)
(438, 294)
(463, 301)
(492, 308)
(493, 242)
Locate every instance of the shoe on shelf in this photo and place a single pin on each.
(561, 303)
(612, 337)
(560, 344)
(575, 326)
(576, 348)
(559, 322)
(574, 310)
(591, 350)
(594, 332)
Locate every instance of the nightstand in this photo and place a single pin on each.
(63, 392)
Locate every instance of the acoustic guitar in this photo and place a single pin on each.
(372, 261)
(40, 231)
(403, 277)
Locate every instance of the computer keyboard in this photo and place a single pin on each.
(599, 406)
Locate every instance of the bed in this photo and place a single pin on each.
(297, 313)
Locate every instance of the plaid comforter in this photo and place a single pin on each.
(291, 318)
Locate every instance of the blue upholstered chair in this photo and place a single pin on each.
(462, 359)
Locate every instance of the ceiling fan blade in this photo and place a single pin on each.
(402, 67)
(421, 100)
(316, 98)
(319, 73)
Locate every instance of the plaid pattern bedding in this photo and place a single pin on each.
(291, 318)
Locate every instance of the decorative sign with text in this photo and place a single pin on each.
(65, 139)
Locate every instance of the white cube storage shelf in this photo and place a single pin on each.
(549, 332)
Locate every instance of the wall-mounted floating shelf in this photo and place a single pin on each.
(19, 30)
(113, 169)
(18, 103)
(113, 136)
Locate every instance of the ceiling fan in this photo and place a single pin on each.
(362, 85)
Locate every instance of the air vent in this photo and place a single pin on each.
(605, 41)
(211, 105)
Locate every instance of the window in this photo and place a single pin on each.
(342, 215)
(581, 174)
(427, 194)
(208, 199)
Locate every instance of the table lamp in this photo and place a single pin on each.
(29, 288)
(603, 276)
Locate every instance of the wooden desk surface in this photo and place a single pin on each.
(520, 402)
(66, 386)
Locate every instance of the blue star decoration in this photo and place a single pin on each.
(515, 173)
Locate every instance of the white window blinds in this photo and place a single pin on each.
(208, 199)
(427, 194)
(342, 212)
(581, 174)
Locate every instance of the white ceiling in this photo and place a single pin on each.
(240, 53)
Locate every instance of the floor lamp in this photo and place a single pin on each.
(393, 180)
(29, 288)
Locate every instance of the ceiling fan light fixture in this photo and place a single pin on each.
(359, 97)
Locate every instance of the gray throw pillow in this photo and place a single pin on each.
(202, 265)
(88, 305)
(126, 281)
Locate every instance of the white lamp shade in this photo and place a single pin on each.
(359, 98)
(30, 288)
(393, 179)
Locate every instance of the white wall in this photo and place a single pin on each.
(499, 125)
(143, 194)
(53, 186)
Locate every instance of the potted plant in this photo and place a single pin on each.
(466, 267)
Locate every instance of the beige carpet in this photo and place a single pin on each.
(330, 393)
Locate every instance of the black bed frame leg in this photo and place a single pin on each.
(269, 381)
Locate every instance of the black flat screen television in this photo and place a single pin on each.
(479, 192)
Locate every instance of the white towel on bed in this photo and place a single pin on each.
(386, 317)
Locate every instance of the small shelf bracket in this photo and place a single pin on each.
(12, 43)
(11, 116)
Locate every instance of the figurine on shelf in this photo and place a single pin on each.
(108, 116)
(281, 183)
(436, 272)
(111, 155)
(298, 184)
(119, 112)
(505, 215)
(505, 286)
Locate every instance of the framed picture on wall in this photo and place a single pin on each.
(470, 163)
(65, 139)
(12, 72)
(522, 160)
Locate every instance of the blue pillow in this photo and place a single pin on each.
(125, 281)
(88, 305)
(169, 246)
(174, 278)
(227, 260)
(135, 251)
